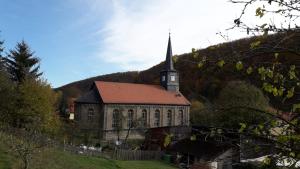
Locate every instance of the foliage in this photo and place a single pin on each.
(21, 63)
(1, 57)
(202, 113)
(287, 11)
(7, 97)
(278, 78)
(36, 100)
(231, 100)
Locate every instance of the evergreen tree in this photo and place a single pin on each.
(1, 57)
(21, 63)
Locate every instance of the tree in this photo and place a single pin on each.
(36, 100)
(231, 100)
(21, 63)
(1, 57)
(287, 11)
(202, 113)
(277, 77)
(23, 144)
(7, 98)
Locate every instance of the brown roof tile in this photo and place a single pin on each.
(130, 93)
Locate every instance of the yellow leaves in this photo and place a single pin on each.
(296, 106)
(275, 91)
(168, 140)
(269, 73)
(193, 138)
(268, 87)
(259, 12)
(195, 54)
(175, 58)
(290, 92)
(292, 72)
(255, 44)
(242, 128)
(280, 91)
(221, 63)
(200, 64)
(267, 161)
(239, 65)
(193, 50)
(249, 70)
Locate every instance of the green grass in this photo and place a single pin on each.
(56, 159)
(5, 161)
(143, 165)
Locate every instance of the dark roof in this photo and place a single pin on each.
(89, 97)
(169, 62)
(130, 93)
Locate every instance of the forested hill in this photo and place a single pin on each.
(197, 80)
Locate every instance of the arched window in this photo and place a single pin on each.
(116, 118)
(144, 118)
(169, 118)
(130, 118)
(181, 117)
(90, 114)
(157, 118)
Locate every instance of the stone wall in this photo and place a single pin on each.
(92, 122)
(102, 118)
(110, 133)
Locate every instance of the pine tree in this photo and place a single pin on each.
(22, 64)
(1, 57)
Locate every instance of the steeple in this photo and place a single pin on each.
(169, 77)
(169, 61)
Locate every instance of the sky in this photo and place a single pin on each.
(78, 39)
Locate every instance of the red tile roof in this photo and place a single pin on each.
(130, 93)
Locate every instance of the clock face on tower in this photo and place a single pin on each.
(173, 78)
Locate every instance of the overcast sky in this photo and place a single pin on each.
(78, 39)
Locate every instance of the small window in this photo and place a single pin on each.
(90, 114)
(157, 118)
(144, 118)
(173, 78)
(116, 119)
(181, 117)
(130, 119)
(169, 118)
(163, 78)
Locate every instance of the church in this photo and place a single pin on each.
(110, 109)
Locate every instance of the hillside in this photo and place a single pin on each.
(196, 82)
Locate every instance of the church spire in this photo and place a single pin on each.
(169, 77)
(169, 62)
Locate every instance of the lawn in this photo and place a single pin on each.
(56, 159)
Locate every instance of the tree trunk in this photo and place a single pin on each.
(26, 162)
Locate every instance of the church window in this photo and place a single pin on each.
(90, 114)
(169, 118)
(173, 78)
(163, 78)
(181, 117)
(157, 118)
(144, 118)
(116, 119)
(130, 119)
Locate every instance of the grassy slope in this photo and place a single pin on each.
(5, 161)
(54, 159)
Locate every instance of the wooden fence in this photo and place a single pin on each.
(121, 154)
